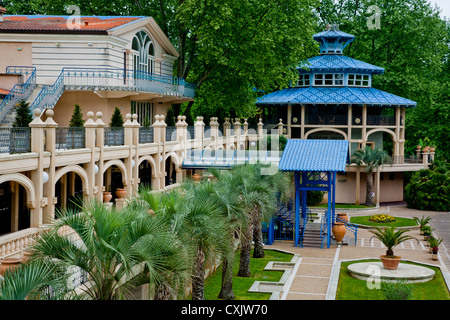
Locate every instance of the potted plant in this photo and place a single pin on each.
(434, 245)
(422, 222)
(427, 231)
(391, 238)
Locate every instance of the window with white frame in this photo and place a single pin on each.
(329, 79)
(144, 53)
(303, 80)
(359, 80)
(144, 111)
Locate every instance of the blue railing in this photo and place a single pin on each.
(351, 227)
(111, 79)
(304, 219)
(19, 91)
(323, 227)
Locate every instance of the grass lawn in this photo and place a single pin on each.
(399, 222)
(240, 284)
(345, 206)
(350, 288)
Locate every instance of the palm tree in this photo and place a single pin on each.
(391, 238)
(33, 281)
(372, 160)
(117, 251)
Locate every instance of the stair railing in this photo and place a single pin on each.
(19, 91)
(323, 227)
(303, 224)
(350, 226)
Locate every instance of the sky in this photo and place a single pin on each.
(444, 6)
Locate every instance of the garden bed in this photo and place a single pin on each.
(350, 288)
(400, 222)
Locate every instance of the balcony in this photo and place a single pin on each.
(330, 120)
(119, 80)
(374, 120)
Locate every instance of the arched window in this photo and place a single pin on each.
(144, 55)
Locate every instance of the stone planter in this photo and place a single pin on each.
(390, 263)
(196, 177)
(121, 192)
(8, 264)
(107, 196)
(25, 256)
(434, 256)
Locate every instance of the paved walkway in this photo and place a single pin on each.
(315, 275)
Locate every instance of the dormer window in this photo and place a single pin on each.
(329, 79)
(303, 80)
(359, 80)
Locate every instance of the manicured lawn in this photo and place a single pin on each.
(399, 222)
(345, 206)
(350, 288)
(240, 284)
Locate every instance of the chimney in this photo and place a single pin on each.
(2, 11)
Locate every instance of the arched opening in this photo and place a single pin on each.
(145, 174)
(113, 180)
(14, 212)
(171, 172)
(330, 134)
(68, 191)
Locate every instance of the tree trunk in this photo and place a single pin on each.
(226, 291)
(258, 250)
(163, 292)
(246, 248)
(198, 278)
(369, 188)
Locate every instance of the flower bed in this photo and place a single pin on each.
(381, 218)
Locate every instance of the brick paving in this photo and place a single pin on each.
(315, 275)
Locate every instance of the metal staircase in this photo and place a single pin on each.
(20, 91)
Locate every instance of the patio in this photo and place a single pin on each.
(316, 272)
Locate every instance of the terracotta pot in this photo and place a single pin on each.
(25, 256)
(390, 263)
(107, 196)
(8, 264)
(339, 231)
(196, 177)
(342, 216)
(121, 192)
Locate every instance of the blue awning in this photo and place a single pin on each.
(314, 155)
(334, 95)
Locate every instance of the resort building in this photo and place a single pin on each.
(334, 99)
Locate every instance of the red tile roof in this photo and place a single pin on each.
(3, 91)
(62, 24)
(2, 10)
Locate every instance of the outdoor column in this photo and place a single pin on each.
(214, 124)
(49, 187)
(237, 132)
(135, 157)
(289, 117)
(297, 207)
(280, 127)
(227, 132)
(37, 145)
(128, 141)
(100, 144)
(349, 127)
(199, 130)
(358, 185)
(364, 126)
(377, 181)
(302, 122)
(90, 128)
(156, 177)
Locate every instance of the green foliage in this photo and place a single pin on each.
(116, 119)
(170, 117)
(370, 158)
(398, 290)
(146, 122)
(23, 115)
(391, 238)
(77, 117)
(314, 197)
(429, 189)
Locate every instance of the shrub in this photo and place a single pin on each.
(429, 189)
(77, 117)
(314, 197)
(396, 290)
(23, 115)
(116, 119)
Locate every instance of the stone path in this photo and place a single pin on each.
(315, 274)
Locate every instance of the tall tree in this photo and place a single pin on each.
(23, 115)
(371, 160)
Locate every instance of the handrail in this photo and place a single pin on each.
(110, 78)
(352, 227)
(304, 223)
(323, 226)
(19, 89)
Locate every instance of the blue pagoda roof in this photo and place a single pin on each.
(334, 95)
(334, 63)
(314, 155)
(332, 34)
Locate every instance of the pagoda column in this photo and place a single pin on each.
(302, 122)
(349, 127)
(289, 116)
(364, 126)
